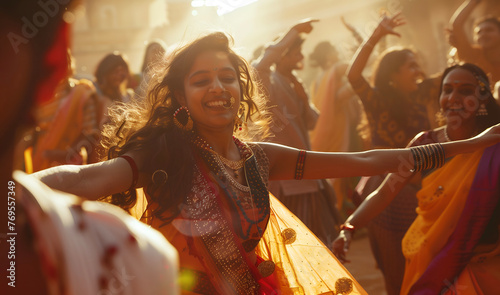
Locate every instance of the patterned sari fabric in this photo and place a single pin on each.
(443, 247)
(220, 226)
(385, 130)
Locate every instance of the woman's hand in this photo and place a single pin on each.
(341, 245)
(387, 25)
(350, 27)
(305, 26)
(353, 30)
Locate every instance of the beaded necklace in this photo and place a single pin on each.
(256, 188)
(446, 133)
(447, 137)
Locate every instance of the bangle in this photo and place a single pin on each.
(135, 171)
(299, 167)
(348, 227)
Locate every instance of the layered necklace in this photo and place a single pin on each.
(235, 166)
(252, 201)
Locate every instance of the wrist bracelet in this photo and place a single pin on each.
(348, 227)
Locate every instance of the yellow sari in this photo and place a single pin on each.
(442, 200)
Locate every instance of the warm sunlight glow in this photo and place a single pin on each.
(223, 6)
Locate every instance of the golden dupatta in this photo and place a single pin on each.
(303, 264)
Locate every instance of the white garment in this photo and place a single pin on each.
(89, 242)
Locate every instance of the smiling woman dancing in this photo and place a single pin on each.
(453, 244)
(206, 186)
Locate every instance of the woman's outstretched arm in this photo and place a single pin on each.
(91, 181)
(321, 165)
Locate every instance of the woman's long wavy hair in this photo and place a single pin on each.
(146, 126)
(386, 66)
(493, 109)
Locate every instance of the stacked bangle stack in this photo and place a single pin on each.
(427, 156)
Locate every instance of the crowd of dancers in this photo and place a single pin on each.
(237, 178)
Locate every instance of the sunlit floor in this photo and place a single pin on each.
(363, 267)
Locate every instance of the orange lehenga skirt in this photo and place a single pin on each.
(304, 265)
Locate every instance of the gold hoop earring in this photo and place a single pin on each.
(189, 122)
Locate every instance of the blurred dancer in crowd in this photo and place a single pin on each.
(485, 50)
(452, 246)
(111, 76)
(399, 105)
(293, 116)
(341, 113)
(72, 133)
